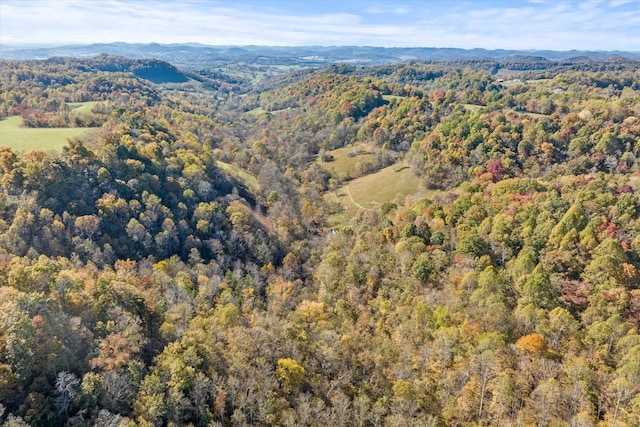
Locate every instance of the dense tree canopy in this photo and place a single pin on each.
(179, 264)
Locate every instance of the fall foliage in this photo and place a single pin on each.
(180, 266)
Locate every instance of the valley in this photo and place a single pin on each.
(285, 241)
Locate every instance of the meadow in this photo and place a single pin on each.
(13, 135)
(353, 160)
(82, 108)
(258, 111)
(242, 176)
(371, 191)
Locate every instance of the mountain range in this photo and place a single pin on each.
(195, 55)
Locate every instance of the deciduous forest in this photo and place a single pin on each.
(191, 259)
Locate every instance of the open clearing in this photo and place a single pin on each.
(250, 183)
(258, 111)
(82, 108)
(473, 107)
(390, 98)
(517, 82)
(343, 162)
(242, 176)
(371, 191)
(348, 161)
(13, 135)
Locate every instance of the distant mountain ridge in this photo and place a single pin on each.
(198, 55)
(154, 70)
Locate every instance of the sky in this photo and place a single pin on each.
(498, 24)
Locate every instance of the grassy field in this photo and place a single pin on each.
(533, 115)
(13, 135)
(241, 175)
(517, 82)
(392, 97)
(256, 73)
(342, 163)
(259, 111)
(82, 108)
(473, 107)
(372, 190)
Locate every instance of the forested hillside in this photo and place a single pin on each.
(183, 264)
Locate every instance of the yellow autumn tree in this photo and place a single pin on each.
(533, 343)
(290, 374)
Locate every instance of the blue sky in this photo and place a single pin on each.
(524, 24)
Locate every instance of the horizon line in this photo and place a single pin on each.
(42, 45)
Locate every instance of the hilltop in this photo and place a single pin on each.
(420, 243)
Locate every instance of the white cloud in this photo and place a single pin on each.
(534, 25)
(377, 10)
(618, 3)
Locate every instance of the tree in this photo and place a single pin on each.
(484, 365)
(470, 242)
(560, 326)
(544, 401)
(139, 235)
(495, 169)
(422, 270)
(290, 375)
(66, 389)
(626, 383)
(537, 290)
(504, 401)
(87, 226)
(605, 263)
(534, 344)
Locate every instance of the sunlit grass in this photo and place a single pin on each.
(13, 135)
(346, 159)
(371, 191)
(241, 175)
(392, 97)
(473, 107)
(259, 111)
(81, 108)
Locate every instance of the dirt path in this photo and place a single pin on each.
(353, 201)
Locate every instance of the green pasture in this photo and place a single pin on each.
(517, 82)
(13, 135)
(244, 177)
(259, 111)
(349, 161)
(533, 115)
(390, 98)
(342, 163)
(82, 108)
(473, 107)
(371, 191)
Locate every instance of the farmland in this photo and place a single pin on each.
(83, 108)
(371, 191)
(12, 134)
(424, 261)
(240, 175)
(355, 160)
